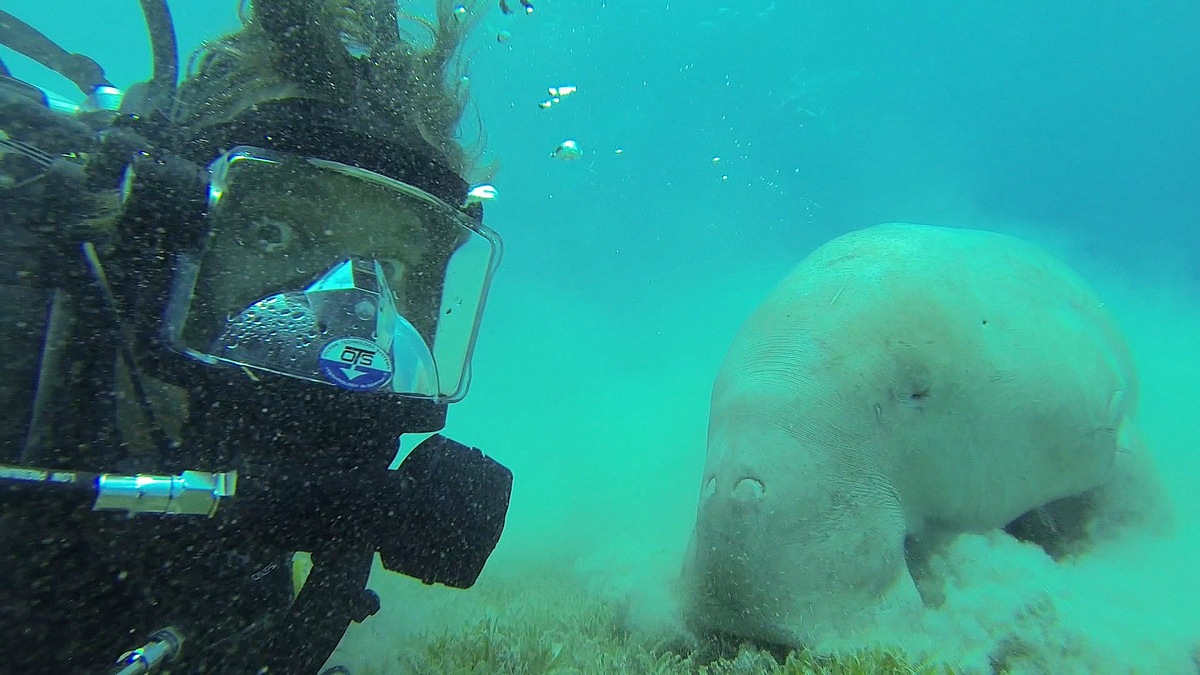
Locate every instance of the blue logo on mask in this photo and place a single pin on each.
(355, 364)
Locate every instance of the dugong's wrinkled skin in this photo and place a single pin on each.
(903, 384)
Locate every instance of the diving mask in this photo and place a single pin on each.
(325, 272)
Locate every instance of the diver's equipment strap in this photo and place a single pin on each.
(49, 385)
(22, 336)
(191, 493)
(125, 342)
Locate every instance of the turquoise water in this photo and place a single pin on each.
(750, 133)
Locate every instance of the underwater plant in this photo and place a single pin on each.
(559, 630)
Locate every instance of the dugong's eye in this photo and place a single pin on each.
(710, 488)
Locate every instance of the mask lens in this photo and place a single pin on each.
(329, 273)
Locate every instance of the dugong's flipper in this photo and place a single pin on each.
(1134, 498)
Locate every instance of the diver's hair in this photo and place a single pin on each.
(290, 49)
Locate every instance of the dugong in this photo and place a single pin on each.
(905, 384)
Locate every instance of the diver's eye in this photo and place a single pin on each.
(393, 269)
(270, 235)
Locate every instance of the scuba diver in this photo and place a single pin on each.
(227, 297)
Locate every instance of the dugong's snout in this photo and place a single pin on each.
(784, 553)
(738, 572)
